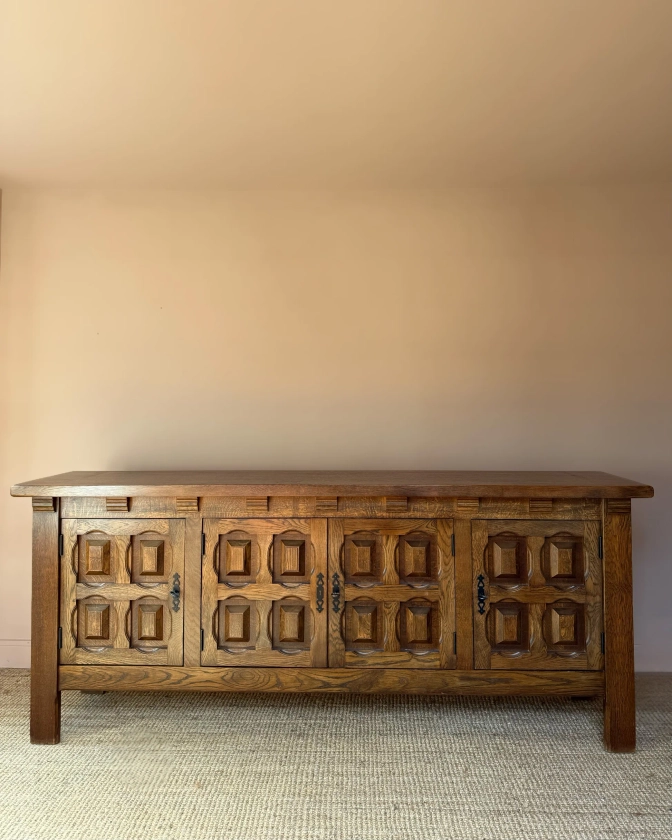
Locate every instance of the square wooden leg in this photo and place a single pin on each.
(45, 698)
(619, 664)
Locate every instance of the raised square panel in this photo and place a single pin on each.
(291, 624)
(237, 558)
(564, 628)
(508, 628)
(149, 561)
(150, 623)
(363, 559)
(95, 558)
(291, 558)
(237, 622)
(149, 619)
(95, 623)
(363, 625)
(419, 626)
(507, 561)
(417, 559)
(562, 561)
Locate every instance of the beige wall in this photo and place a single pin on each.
(484, 329)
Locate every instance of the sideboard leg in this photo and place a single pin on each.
(45, 698)
(619, 665)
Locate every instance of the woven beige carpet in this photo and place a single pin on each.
(273, 767)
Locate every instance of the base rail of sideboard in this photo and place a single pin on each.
(335, 680)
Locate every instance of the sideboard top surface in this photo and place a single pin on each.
(427, 483)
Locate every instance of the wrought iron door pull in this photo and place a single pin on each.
(319, 592)
(336, 593)
(482, 597)
(176, 592)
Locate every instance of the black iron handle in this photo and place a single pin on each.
(176, 592)
(319, 592)
(336, 593)
(480, 594)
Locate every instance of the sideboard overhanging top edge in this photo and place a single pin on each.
(431, 483)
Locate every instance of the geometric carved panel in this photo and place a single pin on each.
(551, 617)
(109, 613)
(95, 623)
(562, 560)
(564, 627)
(417, 559)
(419, 625)
(148, 559)
(238, 562)
(391, 581)
(148, 623)
(363, 559)
(507, 563)
(291, 558)
(237, 624)
(508, 627)
(364, 625)
(264, 592)
(94, 559)
(291, 624)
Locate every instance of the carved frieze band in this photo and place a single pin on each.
(185, 505)
(468, 505)
(618, 505)
(396, 503)
(540, 505)
(116, 503)
(43, 503)
(258, 504)
(326, 503)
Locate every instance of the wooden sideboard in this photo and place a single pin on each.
(427, 582)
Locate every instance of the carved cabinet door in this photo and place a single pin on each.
(391, 593)
(537, 595)
(121, 591)
(264, 592)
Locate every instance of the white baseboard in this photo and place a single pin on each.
(14, 653)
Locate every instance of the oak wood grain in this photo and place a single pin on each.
(227, 507)
(532, 596)
(391, 592)
(463, 595)
(531, 621)
(122, 591)
(383, 483)
(396, 605)
(192, 589)
(249, 605)
(335, 593)
(392, 659)
(372, 681)
(45, 699)
(115, 602)
(619, 700)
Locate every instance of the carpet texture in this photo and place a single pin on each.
(293, 767)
